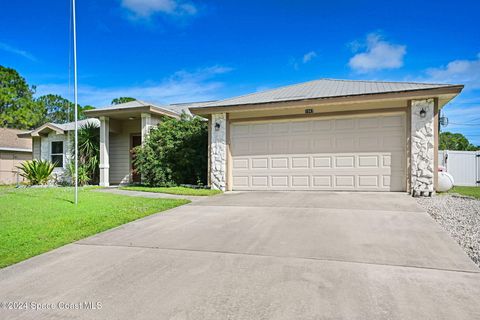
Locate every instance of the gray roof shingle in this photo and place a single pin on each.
(324, 88)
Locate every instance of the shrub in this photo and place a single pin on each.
(83, 174)
(174, 153)
(36, 171)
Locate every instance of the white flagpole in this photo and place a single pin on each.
(75, 98)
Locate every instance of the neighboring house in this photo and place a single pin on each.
(52, 142)
(328, 135)
(13, 151)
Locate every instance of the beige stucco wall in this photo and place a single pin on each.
(9, 161)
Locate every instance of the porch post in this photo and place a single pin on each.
(422, 163)
(218, 151)
(104, 150)
(146, 125)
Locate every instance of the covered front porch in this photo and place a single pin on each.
(122, 128)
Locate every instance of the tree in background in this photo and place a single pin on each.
(455, 141)
(174, 153)
(17, 106)
(122, 100)
(20, 110)
(57, 109)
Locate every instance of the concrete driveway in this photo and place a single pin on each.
(263, 255)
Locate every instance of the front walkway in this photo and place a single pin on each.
(262, 255)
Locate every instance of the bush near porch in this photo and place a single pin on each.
(174, 153)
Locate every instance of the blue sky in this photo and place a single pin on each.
(168, 51)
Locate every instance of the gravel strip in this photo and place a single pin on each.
(460, 216)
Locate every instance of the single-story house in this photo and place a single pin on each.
(328, 134)
(13, 151)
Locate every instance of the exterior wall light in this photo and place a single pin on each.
(217, 126)
(423, 113)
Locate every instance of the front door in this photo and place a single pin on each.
(136, 141)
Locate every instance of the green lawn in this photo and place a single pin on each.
(36, 220)
(467, 191)
(175, 190)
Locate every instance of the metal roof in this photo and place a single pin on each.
(324, 88)
(132, 105)
(184, 107)
(69, 126)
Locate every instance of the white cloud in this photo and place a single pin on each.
(144, 9)
(307, 57)
(379, 54)
(19, 52)
(458, 71)
(182, 86)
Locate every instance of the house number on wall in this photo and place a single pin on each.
(308, 110)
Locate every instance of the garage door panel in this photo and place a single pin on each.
(259, 163)
(260, 181)
(300, 162)
(300, 181)
(240, 163)
(368, 161)
(324, 154)
(279, 163)
(345, 181)
(322, 162)
(280, 181)
(322, 181)
(367, 181)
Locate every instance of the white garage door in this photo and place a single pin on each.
(348, 153)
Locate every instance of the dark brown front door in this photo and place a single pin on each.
(136, 141)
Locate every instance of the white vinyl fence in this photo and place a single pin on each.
(464, 166)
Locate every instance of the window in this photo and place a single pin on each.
(57, 153)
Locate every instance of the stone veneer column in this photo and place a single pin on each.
(104, 149)
(422, 147)
(218, 151)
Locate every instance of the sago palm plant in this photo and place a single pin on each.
(36, 171)
(88, 152)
